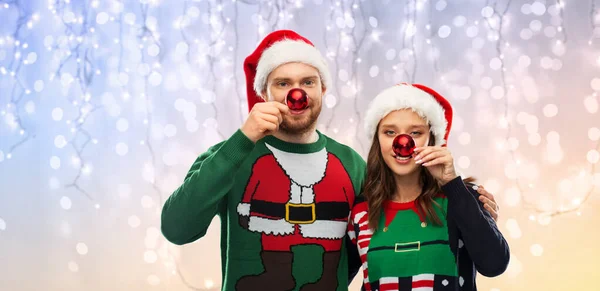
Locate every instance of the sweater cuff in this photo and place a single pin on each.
(237, 147)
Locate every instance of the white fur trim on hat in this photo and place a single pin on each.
(407, 97)
(289, 51)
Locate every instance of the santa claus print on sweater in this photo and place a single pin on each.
(296, 199)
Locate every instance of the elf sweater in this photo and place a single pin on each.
(408, 252)
(284, 211)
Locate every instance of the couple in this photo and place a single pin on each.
(300, 211)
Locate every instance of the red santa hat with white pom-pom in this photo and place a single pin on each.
(278, 48)
(423, 100)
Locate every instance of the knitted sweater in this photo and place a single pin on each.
(408, 252)
(283, 207)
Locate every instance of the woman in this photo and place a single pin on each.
(421, 225)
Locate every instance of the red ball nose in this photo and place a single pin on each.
(297, 99)
(404, 145)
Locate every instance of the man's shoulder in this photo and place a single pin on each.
(339, 149)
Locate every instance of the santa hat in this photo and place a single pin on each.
(278, 48)
(426, 102)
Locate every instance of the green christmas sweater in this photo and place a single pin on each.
(283, 207)
(408, 252)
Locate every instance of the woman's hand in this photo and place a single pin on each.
(438, 161)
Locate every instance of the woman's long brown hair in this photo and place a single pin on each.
(380, 186)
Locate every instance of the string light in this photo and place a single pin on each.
(150, 38)
(560, 6)
(238, 84)
(12, 114)
(494, 22)
(334, 12)
(594, 22)
(408, 41)
(358, 43)
(78, 51)
(149, 41)
(349, 43)
(434, 51)
(215, 45)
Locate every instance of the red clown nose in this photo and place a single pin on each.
(297, 99)
(404, 145)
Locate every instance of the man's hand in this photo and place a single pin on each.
(264, 119)
(489, 203)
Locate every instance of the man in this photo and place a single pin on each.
(282, 189)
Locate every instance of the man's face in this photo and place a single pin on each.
(296, 75)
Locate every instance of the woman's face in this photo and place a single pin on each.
(404, 121)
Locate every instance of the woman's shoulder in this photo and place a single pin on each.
(360, 199)
(360, 205)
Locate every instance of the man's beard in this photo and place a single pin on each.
(299, 125)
